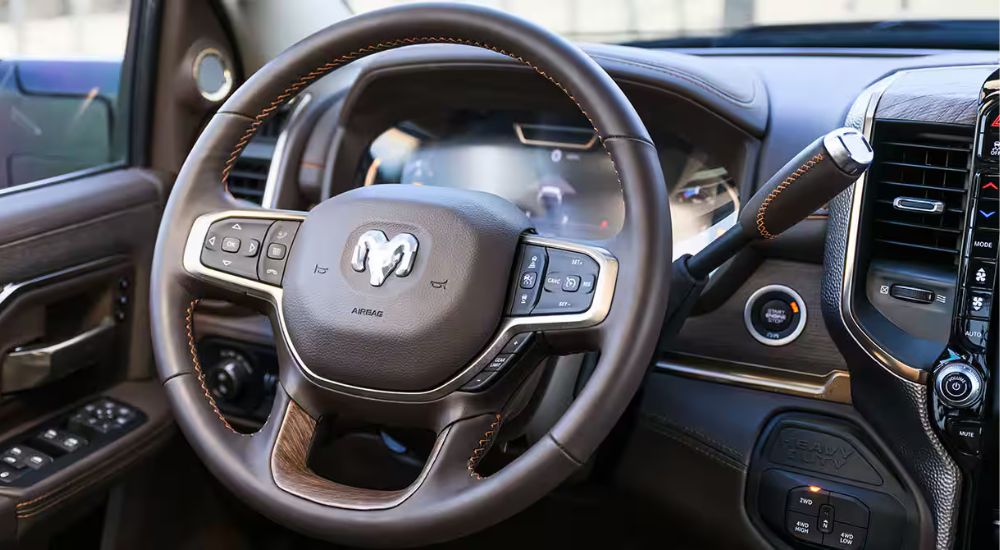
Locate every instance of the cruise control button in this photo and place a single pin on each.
(978, 304)
(230, 244)
(803, 527)
(974, 333)
(554, 282)
(523, 302)
(845, 536)
(571, 283)
(587, 283)
(533, 259)
(553, 303)
(529, 279)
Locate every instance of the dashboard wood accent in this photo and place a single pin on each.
(722, 335)
(946, 95)
(835, 386)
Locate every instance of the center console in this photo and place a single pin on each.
(963, 373)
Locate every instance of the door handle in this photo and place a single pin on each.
(30, 368)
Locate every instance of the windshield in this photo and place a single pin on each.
(702, 23)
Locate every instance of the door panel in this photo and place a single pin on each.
(74, 271)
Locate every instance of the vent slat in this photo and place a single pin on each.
(919, 186)
(919, 161)
(915, 245)
(956, 149)
(921, 226)
(925, 166)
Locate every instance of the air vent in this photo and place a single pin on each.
(919, 178)
(249, 176)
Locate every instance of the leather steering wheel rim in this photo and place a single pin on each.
(443, 506)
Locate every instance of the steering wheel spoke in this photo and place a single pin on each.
(562, 290)
(244, 251)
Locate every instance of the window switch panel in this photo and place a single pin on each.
(60, 441)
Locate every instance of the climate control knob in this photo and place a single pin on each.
(959, 385)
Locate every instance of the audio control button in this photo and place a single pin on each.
(959, 385)
(956, 386)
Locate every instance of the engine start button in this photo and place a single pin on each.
(775, 315)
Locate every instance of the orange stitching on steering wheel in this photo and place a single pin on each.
(323, 69)
(484, 445)
(197, 367)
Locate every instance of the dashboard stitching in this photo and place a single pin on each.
(484, 445)
(323, 69)
(697, 441)
(197, 368)
(683, 76)
(785, 184)
(659, 422)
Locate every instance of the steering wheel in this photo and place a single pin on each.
(408, 306)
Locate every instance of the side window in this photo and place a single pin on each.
(62, 100)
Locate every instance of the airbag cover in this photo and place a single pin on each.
(415, 331)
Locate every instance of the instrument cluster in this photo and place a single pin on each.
(557, 172)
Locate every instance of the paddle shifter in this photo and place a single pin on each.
(817, 174)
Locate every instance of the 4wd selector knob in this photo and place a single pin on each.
(959, 385)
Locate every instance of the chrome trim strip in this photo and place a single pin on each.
(863, 339)
(748, 314)
(519, 131)
(914, 204)
(278, 157)
(227, 75)
(834, 387)
(11, 290)
(600, 306)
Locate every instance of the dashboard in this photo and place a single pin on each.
(860, 373)
(556, 172)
